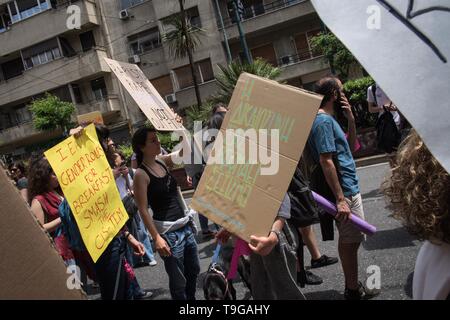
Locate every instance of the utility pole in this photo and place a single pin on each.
(244, 46)
(225, 37)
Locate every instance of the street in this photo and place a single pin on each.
(392, 249)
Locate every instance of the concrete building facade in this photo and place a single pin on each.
(40, 52)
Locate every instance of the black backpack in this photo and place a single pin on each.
(388, 135)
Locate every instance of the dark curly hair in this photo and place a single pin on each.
(419, 191)
(38, 176)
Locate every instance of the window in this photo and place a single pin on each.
(266, 52)
(192, 16)
(5, 21)
(99, 89)
(87, 40)
(163, 85)
(41, 53)
(145, 41)
(23, 115)
(77, 93)
(203, 71)
(26, 8)
(12, 68)
(129, 3)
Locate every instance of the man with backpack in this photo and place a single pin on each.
(389, 119)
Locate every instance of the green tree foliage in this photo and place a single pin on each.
(198, 113)
(50, 113)
(339, 57)
(356, 92)
(228, 76)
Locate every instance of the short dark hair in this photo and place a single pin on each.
(217, 106)
(327, 87)
(138, 141)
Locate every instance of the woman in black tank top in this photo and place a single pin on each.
(155, 187)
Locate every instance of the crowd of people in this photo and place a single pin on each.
(159, 222)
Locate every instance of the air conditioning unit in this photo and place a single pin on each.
(286, 60)
(123, 14)
(170, 98)
(135, 59)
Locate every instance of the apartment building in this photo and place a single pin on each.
(39, 54)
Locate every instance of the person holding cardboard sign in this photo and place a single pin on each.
(171, 230)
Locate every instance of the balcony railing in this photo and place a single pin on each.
(258, 9)
(299, 57)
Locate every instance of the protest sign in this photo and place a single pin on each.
(145, 95)
(91, 117)
(31, 268)
(404, 46)
(88, 184)
(244, 196)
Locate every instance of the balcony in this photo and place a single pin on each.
(109, 103)
(44, 25)
(186, 97)
(52, 75)
(258, 17)
(301, 64)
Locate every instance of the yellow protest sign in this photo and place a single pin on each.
(88, 184)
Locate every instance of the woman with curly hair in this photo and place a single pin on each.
(419, 192)
(45, 196)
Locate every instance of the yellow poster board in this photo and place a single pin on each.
(88, 184)
(91, 117)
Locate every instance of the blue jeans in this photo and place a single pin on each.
(183, 266)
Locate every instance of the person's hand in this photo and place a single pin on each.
(391, 107)
(162, 247)
(137, 246)
(189, 181)
(178, 118)
(76, 132)
(123, 171)
(343, 210)
(117, 172)
(346, 107)
(223, 235)
(263, 245)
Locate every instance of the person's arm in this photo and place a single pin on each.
(24, 194)
(330, 173)
(38, 212)
(137, 246)
(373, 108)
(264, 245)
(345, 105)
(140, 184)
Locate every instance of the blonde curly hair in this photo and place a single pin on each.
(419, 191)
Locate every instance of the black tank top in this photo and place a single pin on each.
(162, 196)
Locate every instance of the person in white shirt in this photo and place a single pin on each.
(379, 101)
(418, 191)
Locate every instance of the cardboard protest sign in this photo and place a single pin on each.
(31, 268)
(405, 47)
(88, 184)
(243, 195)
(147, 98)
(91, 117)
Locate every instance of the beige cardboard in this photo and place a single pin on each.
(30, 267)
(91, 117)
(145, 95)
(237, 196)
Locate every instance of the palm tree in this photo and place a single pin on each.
(183, 40)
(229, 75)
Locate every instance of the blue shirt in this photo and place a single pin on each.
(326, 136)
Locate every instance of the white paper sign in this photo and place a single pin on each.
(147, 98)
(405, 46)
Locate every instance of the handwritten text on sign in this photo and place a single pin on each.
(145, 95)
(89, 186)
